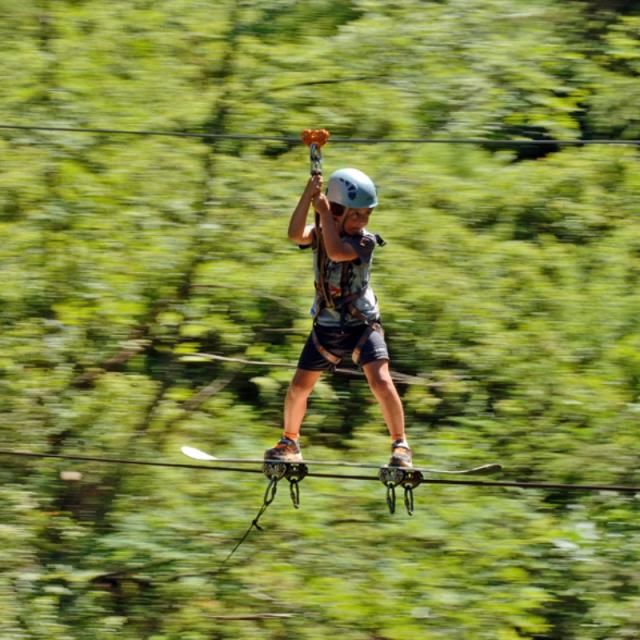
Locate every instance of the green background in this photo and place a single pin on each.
(509, 290)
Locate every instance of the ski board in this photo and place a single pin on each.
(485, 469)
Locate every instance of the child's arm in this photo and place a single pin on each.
(299, 231)
(337, 249)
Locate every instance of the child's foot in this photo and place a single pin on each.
(286, 450)
(401, 454)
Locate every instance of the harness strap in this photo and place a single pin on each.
(325, 353)
(357, 352)
(321, 257)
(371, 327)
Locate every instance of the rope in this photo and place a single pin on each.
(403, 378)
(145, 463)
(295, 140)
(269, 496)
(472, 483)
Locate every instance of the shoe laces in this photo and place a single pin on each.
(400, 444)
(288, 443)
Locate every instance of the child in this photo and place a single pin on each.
(345, 311)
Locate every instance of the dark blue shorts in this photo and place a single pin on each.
(342, 344)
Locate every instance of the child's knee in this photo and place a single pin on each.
(382, 382)
(301, 385)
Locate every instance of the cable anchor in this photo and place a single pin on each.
(408, 479)
(391, 497)
(408, 499)
(294, 472)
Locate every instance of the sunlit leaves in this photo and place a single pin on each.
(509, 287)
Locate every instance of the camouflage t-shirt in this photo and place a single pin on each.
(355, 280)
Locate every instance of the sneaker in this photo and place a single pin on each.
(286, 450)
(401, 454)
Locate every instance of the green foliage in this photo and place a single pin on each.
(509, 288)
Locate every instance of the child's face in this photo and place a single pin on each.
(354, 220)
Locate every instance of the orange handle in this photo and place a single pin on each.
(318, 137)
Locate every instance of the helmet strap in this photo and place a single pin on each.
(341, 220)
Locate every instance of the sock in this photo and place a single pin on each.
(291, 436)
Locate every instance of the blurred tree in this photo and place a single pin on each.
(509, 288)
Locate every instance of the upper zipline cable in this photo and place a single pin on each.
(501, 142)
(474, 483)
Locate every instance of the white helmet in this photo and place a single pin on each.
(352, 188)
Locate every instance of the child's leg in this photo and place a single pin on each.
(381, 384)
(295, 405)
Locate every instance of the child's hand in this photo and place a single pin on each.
(314, 186)
(321, 204)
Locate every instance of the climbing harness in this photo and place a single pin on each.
(346, 305)
(357, 350)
